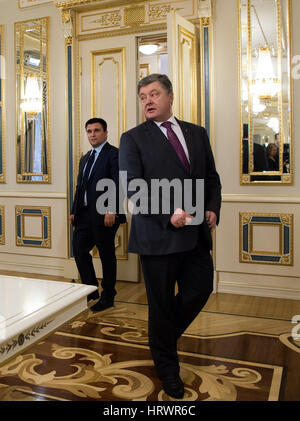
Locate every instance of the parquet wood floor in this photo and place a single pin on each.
(238, 349)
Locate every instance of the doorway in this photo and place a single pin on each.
(108, 69)
(152, 58)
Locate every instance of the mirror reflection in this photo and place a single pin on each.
(32, 101)
(265, 91)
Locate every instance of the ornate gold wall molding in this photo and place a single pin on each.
(261, 222)
(134, 15)
(26, 239)
(125, 17)
(67, 18)
(23, 4)
(33, 137)
(111, 64)
(2, 105)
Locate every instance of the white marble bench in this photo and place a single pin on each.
(32, 308)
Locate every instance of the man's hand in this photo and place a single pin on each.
(180, 218)
(71, 220)
(109, 219)
(211, 219)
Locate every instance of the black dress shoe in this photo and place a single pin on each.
(93, 296)
(173, 386)
(102, 305)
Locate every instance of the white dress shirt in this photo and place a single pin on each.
(177, 130)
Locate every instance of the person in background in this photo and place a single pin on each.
(92, 228)
(272, 153)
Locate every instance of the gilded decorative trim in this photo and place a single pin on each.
(25, 4)
(159, 11)
(104, 20)
(206, 75)
(122, 242)
(44, 213)
(125, 31)
(73, 3)
(128, 19)
(120, 87)
(153, 9)
(186, 37)
(144, 70)
(2, 106)
(265, 177)
(23, 176)
(134, 15)
(284, 223)
(2, 225)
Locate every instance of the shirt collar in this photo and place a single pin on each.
(172, 119)
(99, 148)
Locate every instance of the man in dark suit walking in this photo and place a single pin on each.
(173, 247)
(92, 227)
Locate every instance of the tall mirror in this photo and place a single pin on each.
(265, 92)
(2, 75)
(32, 97)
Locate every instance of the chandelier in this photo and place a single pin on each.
(32, 100)
(265, 85)
(257, 106)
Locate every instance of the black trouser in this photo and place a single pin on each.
(170, 315)
(86, 236)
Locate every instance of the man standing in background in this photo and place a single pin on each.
(90, 227)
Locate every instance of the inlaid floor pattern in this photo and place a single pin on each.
(224, 356)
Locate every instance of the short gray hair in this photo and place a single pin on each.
(156, 77)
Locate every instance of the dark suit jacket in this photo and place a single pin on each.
(146, 153)
(106, 166)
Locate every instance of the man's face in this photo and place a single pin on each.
(156, 102)
(96, 135)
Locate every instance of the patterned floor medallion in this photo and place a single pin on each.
(106, 357)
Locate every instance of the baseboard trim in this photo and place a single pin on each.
(258, 291)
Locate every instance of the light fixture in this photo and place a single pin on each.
(257, 106)
(148, 49)
(265, 85)
(29, 60)
(32, 100)
(273, 123)
(34, 61)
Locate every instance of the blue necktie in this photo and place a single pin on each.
(175, 142)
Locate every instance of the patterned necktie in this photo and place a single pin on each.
(173, 139)
(88, 167)
(85, 178)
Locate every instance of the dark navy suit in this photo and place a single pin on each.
(89, 224)
(170, 255)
